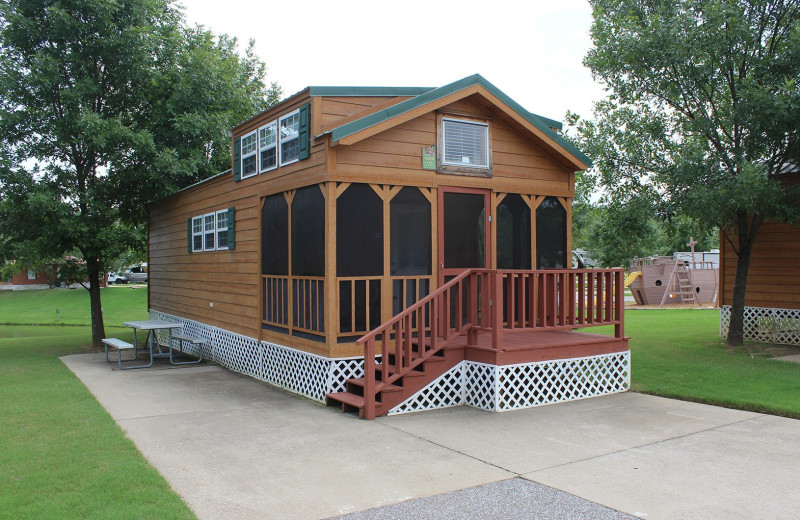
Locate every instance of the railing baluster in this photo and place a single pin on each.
(384, 357)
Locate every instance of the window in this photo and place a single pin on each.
(209, 228)
(222, 229)
(212, 232)
(249, 155)
(465, 143)
(268, 147)
(31, 274)
(197, 234)
(290, 138)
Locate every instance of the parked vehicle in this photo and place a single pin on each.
(137, 274)
(116, 278)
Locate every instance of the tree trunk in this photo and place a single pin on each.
(736, 326)
(747, 231)
(98, 328)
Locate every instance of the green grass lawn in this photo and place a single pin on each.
(61, 454)
(678, 353)
(71, 306)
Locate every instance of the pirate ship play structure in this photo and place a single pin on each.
(683, 278)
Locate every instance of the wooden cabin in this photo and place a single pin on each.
(428, 229)
(772, 299)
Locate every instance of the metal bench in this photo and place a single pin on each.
(182, 338)
(120, 346)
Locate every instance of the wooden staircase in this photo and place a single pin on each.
(411, 356)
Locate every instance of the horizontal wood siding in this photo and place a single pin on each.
(184, 284)
(774, 278)
(394, 156)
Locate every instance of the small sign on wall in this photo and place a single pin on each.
(429, 157)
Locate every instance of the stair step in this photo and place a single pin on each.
(347, 398)
(379, 386)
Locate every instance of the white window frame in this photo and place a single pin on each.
(212, 231)
(31, 274)
(254, 135)
(198, 219)
(485, 144)
(275, 145)
(221, 229)
(281, 140)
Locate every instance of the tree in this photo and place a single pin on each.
(118, 103)
(703, 110)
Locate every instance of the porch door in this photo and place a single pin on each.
(464, 240)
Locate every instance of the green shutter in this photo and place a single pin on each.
(304, 131)
(237, 159)
(189, 235)
(231, 228)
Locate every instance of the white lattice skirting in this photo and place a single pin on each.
(306, 374)
(511, 387)
(489, 387)
(781, 326)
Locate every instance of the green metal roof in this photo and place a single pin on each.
(541, 123)
(368, 91)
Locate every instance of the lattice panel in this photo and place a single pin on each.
(480, 385)
(239, 353)
(343, 369)
(765, 324)
(546, 382)
(296, 371)
(444, 391)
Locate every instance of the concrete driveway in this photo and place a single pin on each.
(236, 448)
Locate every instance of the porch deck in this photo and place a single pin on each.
(537, 345)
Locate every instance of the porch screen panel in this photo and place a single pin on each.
(410, 233)
(410, 247)
(275, 260)
(308, 232)
(513, 233)
(359, 258)
(275, 235)
(308, 262)
(551, 235)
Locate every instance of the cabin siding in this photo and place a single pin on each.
(773, 280)
(185, 284)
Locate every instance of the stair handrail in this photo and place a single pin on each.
(368, 342)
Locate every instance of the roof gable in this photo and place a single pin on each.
(371, 124)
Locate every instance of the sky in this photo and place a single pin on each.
(531, 50)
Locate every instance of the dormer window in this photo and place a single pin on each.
(268, 146)
(290, 134)
(465, 143)
(249, 159)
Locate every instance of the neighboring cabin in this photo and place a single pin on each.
(344, 206)
(29, 279)
(772, 299)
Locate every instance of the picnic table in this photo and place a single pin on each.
(154, 346)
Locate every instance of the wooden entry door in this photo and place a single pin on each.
(464, 239)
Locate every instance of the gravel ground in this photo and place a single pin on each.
(505, 500)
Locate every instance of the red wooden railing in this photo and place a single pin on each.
(488, 300)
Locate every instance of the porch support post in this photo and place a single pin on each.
(497, 310)
(331, 285)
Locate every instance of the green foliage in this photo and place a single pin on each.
(120, 104)
(702, 113)
(62, 455)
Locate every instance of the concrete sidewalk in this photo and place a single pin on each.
(236, 448)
